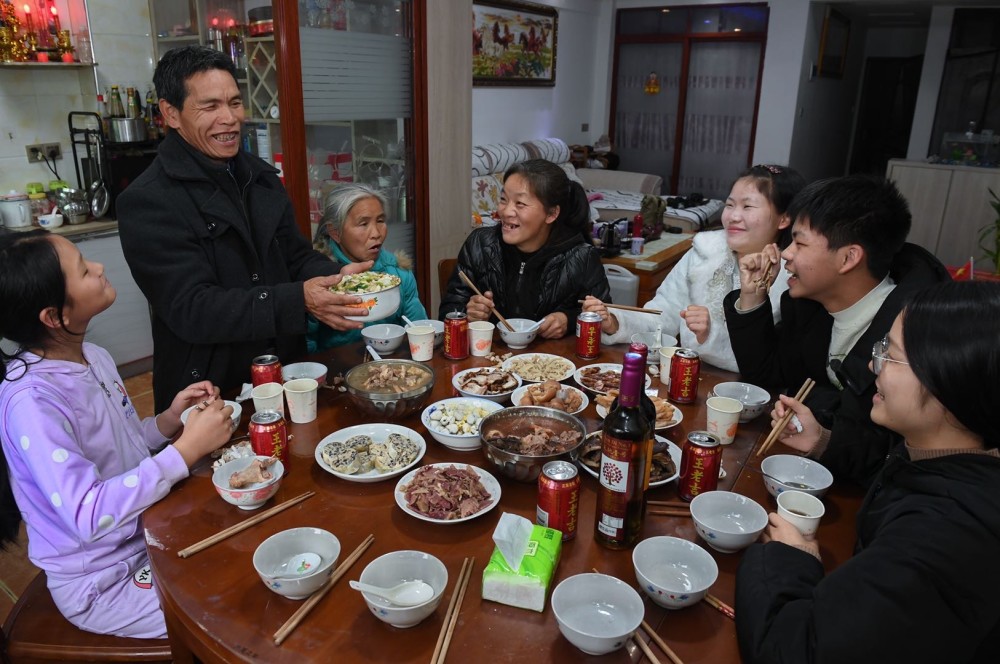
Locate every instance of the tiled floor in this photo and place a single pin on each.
(16, 571)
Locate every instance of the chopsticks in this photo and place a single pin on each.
(241, 526)
(468, 282)
(655, 638)
(628, 308)
(454, 608)
(783, 422)
(723, 608)
(670, 508)
(301, 613)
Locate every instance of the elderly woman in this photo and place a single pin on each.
(353, 229)
(538, 262)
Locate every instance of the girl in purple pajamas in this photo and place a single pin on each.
(79, 466)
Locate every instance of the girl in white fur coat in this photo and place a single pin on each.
(690, 297)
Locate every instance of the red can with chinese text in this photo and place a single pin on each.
(265, 369)
(700, 461)
(588, 335)
(559, 498)
(685, 367)
(268, 435)
(456, 336)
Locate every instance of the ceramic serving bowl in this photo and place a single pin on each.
(385, 338)
(455, 422)
(794, 473)
(513, 382)
(380, 304)
(272, 556)
(250, 497)
(519, 420)
(518, 338)
(596, 613)
(314, 370)
(389, 402)
(438, 329)
(396, 567)
(727, 521)
(754, 399)
(674, 572)
(237, 413)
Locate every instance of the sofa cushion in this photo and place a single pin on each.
(485, 197)
(496, 157)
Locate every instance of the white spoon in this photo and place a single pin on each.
(408, 593)
(371, 351)
(407, 321)
(298, 566)
(531, 328)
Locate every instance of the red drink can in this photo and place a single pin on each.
(268, 435)
(265, 369)
(559, 497)
(700, 461)
(588, 335)
(456, 336)
(685, 367)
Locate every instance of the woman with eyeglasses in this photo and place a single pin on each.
(923, 583)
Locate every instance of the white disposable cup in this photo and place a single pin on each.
(421, 340)
(481, 338)
(269, 396)
(301, 395)
(666, 354)
(723, 417)
(801, 510)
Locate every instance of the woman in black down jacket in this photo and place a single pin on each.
(923, 583)
(538, 261)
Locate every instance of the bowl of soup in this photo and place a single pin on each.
(519, 440)
(390, 388)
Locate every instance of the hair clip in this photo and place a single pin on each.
(773, 170)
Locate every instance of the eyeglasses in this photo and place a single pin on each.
(880, 355)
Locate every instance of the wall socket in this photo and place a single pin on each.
(35, 152)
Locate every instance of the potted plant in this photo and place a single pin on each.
(989, 235)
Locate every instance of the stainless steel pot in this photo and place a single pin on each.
(126, 130)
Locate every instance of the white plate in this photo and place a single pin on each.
(604, 366)
(678, 417)
(570, 367)
(489, 483)
(237, 413)
(378, 433)
(675, 454)
(515, 398)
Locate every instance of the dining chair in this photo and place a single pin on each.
(445, 267)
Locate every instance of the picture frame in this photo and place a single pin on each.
(833, 41)
(513, 43)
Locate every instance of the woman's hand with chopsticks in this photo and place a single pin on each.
(609, 322)
(757, 272)
(802, 432)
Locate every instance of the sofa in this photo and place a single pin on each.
(613, 194)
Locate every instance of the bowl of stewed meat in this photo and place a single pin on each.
(519, 440)
(390, 388)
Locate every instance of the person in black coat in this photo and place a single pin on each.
(538, 262)
(210, 237)
(851, 272)
(923, 583)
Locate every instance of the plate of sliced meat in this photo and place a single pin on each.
(602, 377)
(447, 492)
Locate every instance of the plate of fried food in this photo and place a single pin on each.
(447, 492)
(602, 377)
(666, 459)
(551, 394)
(540, 367)
(667, 415)
(370, 452)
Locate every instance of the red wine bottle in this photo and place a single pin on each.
(644, 401)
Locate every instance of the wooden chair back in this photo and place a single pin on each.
(445, 267)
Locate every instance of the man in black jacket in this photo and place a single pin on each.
(851, 274)
(210, 236)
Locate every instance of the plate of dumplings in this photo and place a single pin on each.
(370, 452)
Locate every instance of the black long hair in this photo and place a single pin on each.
(550, 184)
(950, 332)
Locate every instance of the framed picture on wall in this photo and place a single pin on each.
(513, 43)
(833, 45)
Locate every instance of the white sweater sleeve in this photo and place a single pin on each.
(673, 295)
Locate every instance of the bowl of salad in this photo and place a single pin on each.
(379, 293)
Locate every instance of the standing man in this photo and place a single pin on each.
(210, 236)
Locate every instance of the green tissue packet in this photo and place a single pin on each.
(527, 587)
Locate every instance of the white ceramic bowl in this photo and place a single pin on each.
(54, 220)
(790, 468)
(314, 370)
(653, 345)
(385, 338)
(500, 397)
(396, 567)
(455, 422)
(279, 548)
(253, 496)
(674, 572)
(727, 521)
(754, 399)
(438, 329)
(517, 339)
(596, 613)
(237, 413)
(380, 305)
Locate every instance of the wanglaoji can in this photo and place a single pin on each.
(588, 335)
(268, 435)
(700, 461)
(456, 336)
(685, 367)
(265, 369)
(559, 497)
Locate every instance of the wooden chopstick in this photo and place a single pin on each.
(628, 308)
(646, 649)
(670, 504)
(654, 636)
(674, 512)
(241, 526)
(451, 616)
(722, 607)
(776, 430)
(301, 613)
(468, 282)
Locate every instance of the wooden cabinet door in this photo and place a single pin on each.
(926, 190)
(967, 211)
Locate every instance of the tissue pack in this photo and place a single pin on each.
(527, 586)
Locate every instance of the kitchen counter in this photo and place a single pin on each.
(77, 232)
